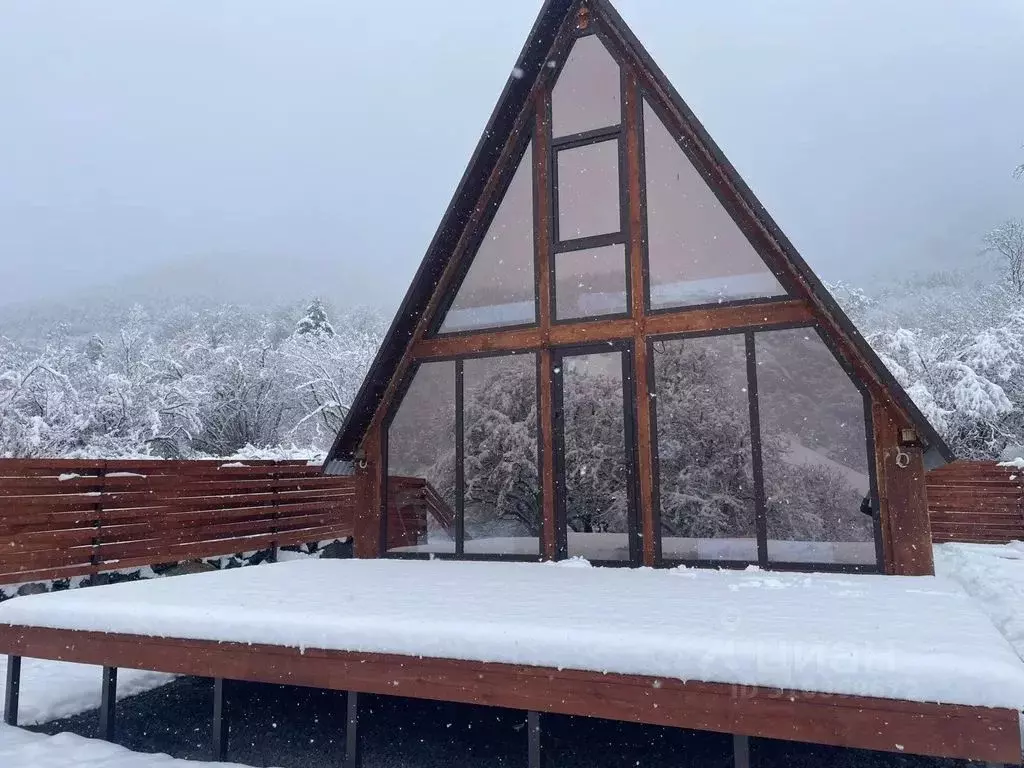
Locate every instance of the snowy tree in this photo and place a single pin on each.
(94, 348)
(1007, 240)
(315, 322)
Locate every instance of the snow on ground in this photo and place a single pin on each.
(51, 690)
(994, 575)
(22, 749)
(915, 638)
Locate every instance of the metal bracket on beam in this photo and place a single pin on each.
(13, 690)
(353, 739)
(108, 700)
(220, 722)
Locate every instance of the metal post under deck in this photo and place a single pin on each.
(13, 690)
(108, 701)
(220, 722)
(741, 751)
(353, 739)
(536, 754)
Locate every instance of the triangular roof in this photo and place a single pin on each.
(513, 100)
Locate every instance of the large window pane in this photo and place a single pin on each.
(588, 190)
(706, 482)
(814, 444)
(499, 288)
(590, 282)
(502, 493)
(596, 477)
(421, 444)
(696, 252)
(587, 94)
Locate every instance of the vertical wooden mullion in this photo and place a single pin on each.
(545, 364)
(460, 455)
(756, 458)
(642, 385)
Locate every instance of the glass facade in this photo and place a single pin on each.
(499, 288)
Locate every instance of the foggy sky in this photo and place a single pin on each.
(141, 136)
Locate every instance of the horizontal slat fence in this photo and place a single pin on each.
(63, 518)
(411, 501)
(976, 501)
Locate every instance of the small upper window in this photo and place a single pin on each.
(588, 191)
(591, 282)
(587, 95)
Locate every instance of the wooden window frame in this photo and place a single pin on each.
(634, 532)
(753, 402)
(802, 307)
(460, 486)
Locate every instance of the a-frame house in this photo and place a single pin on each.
(611, 350)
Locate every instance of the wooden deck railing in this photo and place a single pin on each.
(976, 501)
(63, 518)
(411, 502)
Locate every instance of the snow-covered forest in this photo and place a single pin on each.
(195, 378)
(181, 381)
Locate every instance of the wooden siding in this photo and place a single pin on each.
(64, 518)
(976, 501)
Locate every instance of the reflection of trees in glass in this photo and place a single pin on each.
(813, 443)
(500, 449)
(595, 463)
(812, 438)
(422, 433)
(703, 420)
(812, 426)
(502, 496)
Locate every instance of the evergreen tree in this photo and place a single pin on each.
(315, 322)
(94, 348)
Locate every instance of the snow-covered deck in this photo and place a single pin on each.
(900, 639)
(915, 639)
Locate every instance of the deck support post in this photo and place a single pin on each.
(353, 739)
(108, 700)
(533, 737)
(741, 751)
(13, 689)
(220, 722)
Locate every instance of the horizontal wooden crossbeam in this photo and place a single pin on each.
(973, 733)
(707, 319)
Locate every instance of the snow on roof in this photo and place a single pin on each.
(911, 638)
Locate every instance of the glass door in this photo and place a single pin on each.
(594, 456)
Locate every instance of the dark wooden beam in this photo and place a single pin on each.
(902, 498)
(642, 386)
(534, 740)
(741, 751)
(972, 733)
(703, 320)
(368, 517)
(219, 722)
(542, 251)
(13, 689)
(353, 735)
(108, 704)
